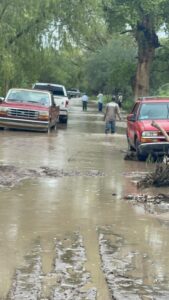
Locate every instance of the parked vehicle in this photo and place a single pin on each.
(29, 110)
(141, 135)
(73, 93)
(60, 97)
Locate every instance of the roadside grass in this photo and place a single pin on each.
(127, 104)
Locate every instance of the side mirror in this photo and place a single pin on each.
(131, 118)
(2, 99)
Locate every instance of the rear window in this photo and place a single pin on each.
(55, 90)
(154, 111)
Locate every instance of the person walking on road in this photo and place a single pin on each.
(112, 111)
(100, 101)
(85, 99)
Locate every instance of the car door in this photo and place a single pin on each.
(132, 123)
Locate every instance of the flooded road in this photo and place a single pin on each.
(74, 236)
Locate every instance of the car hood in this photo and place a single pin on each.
(146, 125)
(29, 106)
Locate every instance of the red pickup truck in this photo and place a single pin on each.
(28, 110)
(141, 135)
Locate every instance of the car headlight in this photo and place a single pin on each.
(43, 113)
(3, 109)
(149, 134)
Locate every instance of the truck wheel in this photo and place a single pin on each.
(49, 129)
(130, 148)
(63, 120)
(140, 156)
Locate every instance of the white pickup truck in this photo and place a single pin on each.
(60, 97)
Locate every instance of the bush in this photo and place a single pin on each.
(163, 90)
(127, 105)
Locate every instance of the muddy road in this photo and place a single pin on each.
(66, 231)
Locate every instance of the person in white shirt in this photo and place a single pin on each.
(85, 99)
(120, 99)
(100, 101)
(112, 111)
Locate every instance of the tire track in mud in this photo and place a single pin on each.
(120, 266)
(69, 264)
(27, 280)
(124, 269)
(67, 280)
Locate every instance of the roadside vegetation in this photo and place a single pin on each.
(107, 46)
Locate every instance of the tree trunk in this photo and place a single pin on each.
(147, 42)
(143, 74)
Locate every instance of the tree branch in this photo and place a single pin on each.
(156, 125)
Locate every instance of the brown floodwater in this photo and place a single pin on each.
(44, 210)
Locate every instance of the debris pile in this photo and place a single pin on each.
(158, 178)
(144, 198)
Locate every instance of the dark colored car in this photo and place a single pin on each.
(142, 137)
(73, 93)
(28, 110)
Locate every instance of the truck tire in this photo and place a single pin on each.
(140, 156)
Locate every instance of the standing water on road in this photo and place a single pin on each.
(71, 234)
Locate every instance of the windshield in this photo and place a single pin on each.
(154, 111)
(28, 96)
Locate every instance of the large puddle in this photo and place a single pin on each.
(74, 236)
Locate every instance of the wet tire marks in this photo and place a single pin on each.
(122, 269)
(27, 279)
(69, 264)
(126, 271)
(67, 280)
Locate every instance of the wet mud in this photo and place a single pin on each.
(156, 203)
(68, 278)
(122, 272)
(12, 175)
(77, 237)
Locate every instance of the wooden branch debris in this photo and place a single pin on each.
(156, 125)
(144, 198)
(160, 177)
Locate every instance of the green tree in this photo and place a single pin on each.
(111, 68)
(34, 34)
(160, 69)
(142, 19)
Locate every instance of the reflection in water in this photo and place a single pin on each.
(49, 208)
